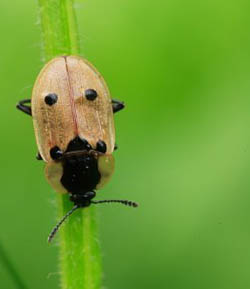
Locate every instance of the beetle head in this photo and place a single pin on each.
(83, 200)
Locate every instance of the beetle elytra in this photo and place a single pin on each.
(72, 113)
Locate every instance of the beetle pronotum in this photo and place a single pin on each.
(73, 121)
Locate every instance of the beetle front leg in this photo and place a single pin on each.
(39, 157)
(117, 105)
(24, 108)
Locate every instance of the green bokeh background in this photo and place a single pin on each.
(183, 69)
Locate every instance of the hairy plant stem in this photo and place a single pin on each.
(80, 256)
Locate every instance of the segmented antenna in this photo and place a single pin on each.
(124, 202)
(55, 229)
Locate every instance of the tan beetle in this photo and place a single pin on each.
(74, 127)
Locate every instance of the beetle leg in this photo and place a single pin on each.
(117, 105)
(24, 108)
(39, 157)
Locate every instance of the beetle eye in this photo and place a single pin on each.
(51, 99)
(90, 94)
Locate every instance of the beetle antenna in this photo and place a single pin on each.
(124, 202)
(55, 229)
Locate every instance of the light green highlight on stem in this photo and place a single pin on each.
(80, 256)
(80, 251)
(59, 28)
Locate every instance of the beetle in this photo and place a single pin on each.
(73, 121)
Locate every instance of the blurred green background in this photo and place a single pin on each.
(183, 69)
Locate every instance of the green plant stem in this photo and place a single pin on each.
(80, 256)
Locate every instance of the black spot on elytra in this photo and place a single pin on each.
(56, 153)
(78, 144)
(51, 99)
(90, 94)
(101, 146)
